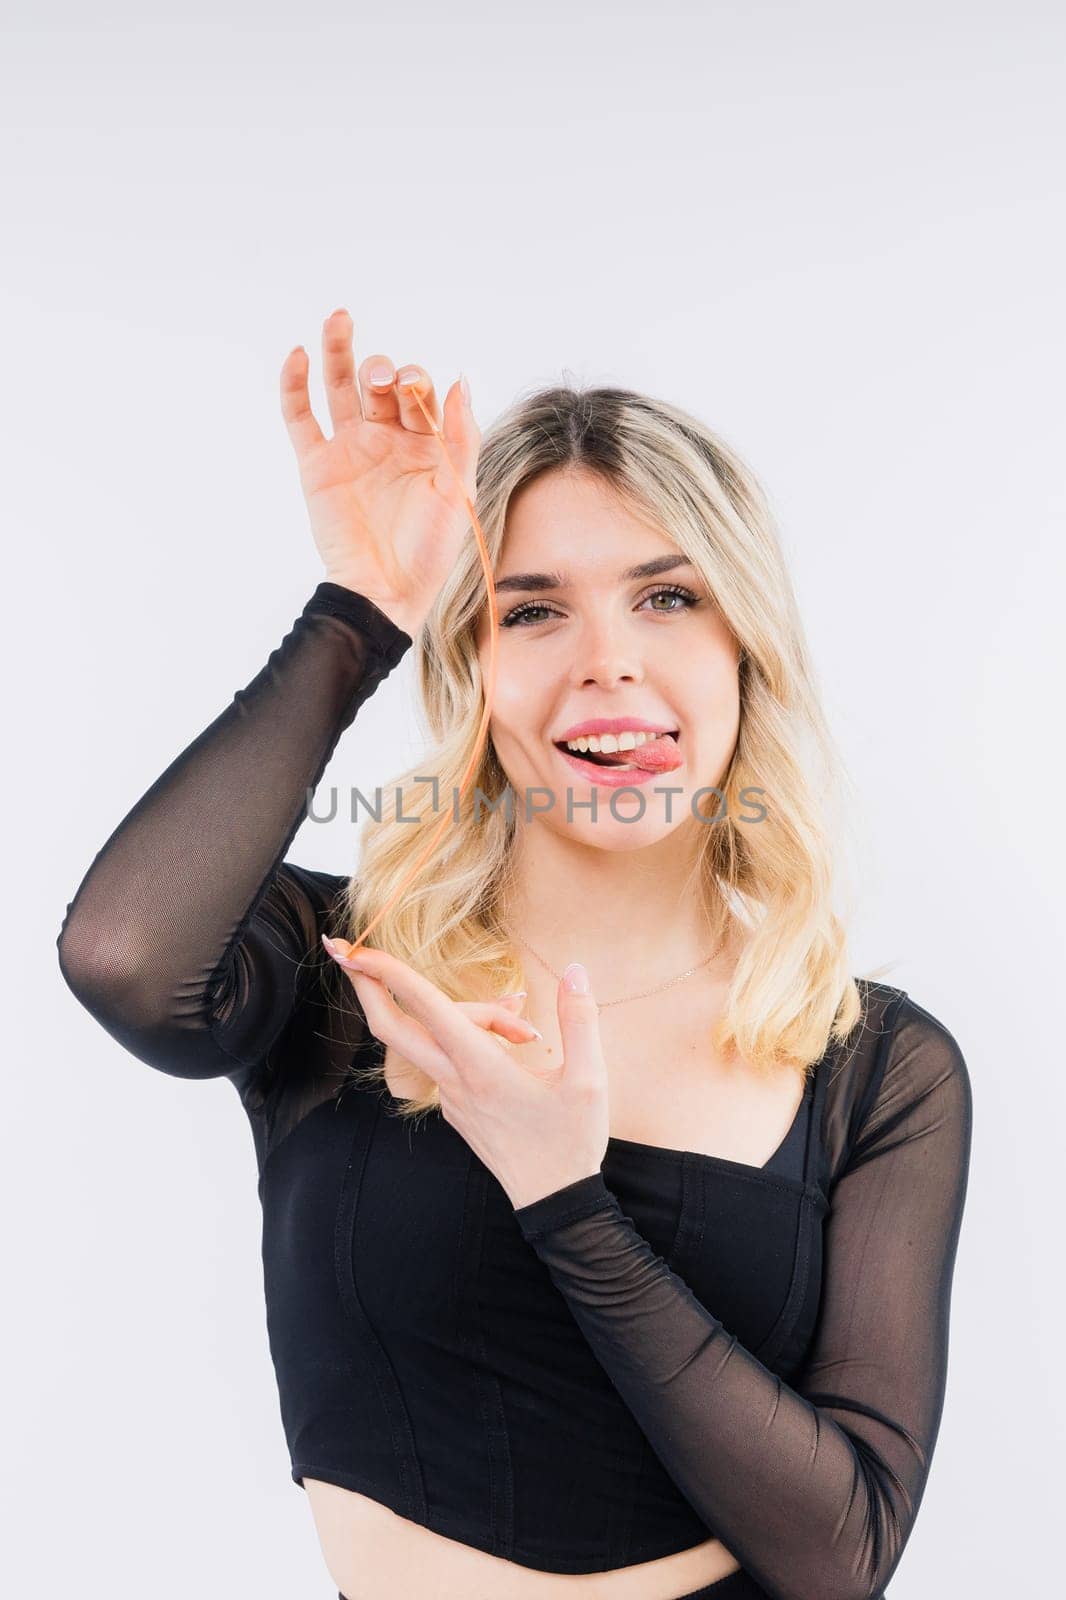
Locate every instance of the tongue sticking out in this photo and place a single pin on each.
(655, 755)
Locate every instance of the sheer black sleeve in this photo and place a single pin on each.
(188, 933)
(813, 1488)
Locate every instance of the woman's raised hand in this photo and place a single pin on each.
(387, 514)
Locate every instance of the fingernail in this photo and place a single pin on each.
(381, 374)
(535, 1031)
(409, 378)
(464, 388)
(576, 979)
(339, 955)
(515, 994)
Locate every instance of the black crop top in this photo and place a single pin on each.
(675, 1347)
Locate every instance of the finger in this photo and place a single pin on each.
(462, 436)
(517, 1029)
(377, 380)
(388, 1021)
(497, 1018)
(338, 370)
(438, 1013)
(409, 380)
(579, 1026)
(395, 1027)
(300, 421)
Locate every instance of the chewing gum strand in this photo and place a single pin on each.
(490, 689)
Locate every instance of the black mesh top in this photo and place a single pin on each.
(674, 1347)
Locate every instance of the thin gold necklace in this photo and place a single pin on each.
(602, 1003)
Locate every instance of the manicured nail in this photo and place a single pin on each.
(381, 375)
(515, 994)
(576, 979)
(464, 388)
(351, 962)
(535, 1031)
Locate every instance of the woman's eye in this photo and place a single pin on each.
(522, 615)
(679, 593)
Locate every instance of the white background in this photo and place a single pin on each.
(833, 231)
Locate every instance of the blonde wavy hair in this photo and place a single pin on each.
(772, 883)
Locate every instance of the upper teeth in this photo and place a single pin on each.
(608, 743)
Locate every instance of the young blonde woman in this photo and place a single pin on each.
(649, 1299)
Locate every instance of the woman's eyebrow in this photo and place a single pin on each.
(559, 580)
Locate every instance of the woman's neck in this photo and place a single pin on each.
(628, 916)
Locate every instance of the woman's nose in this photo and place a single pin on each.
(606, 657)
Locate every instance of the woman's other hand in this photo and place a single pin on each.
(387, 514)
(535, 1130)
(499, 1016)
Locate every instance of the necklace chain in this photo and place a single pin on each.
(643, 993)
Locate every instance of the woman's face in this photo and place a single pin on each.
(587, 640)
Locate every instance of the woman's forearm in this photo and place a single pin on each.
(815, 1486)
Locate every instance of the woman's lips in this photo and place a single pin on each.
(642, 764)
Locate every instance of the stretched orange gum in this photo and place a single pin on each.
(490, 690)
